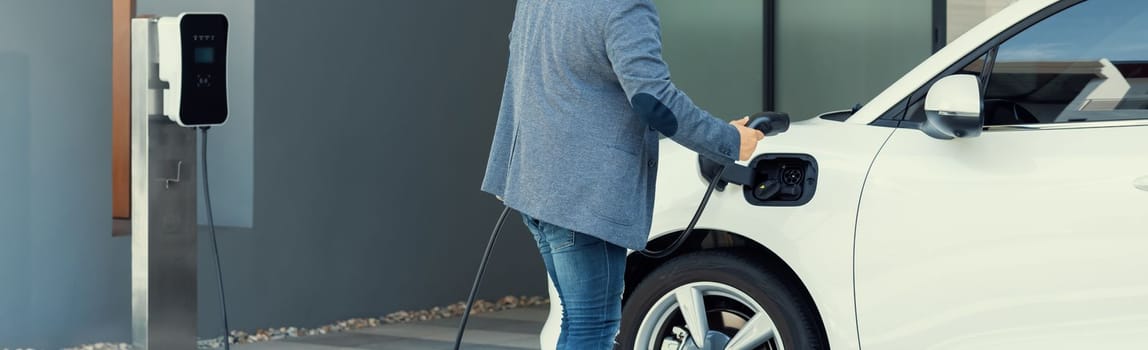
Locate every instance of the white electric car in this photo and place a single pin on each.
(995, 197)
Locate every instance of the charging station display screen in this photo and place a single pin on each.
(205, 55)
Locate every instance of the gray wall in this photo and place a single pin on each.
(714, 49)
(832, 54)
(373, 121)
(63, 278)
(15, 118)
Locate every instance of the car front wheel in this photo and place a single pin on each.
(718, 300)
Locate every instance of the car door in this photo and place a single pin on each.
(1033, 235)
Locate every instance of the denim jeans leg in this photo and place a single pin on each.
(588, 274)
(544, 249)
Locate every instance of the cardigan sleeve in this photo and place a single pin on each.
(634, 47)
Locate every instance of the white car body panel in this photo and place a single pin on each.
(817, 246)
(1013, 240)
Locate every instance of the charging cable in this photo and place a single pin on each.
(658, 254)
(769, 124)
(214, 243)
(478, 277)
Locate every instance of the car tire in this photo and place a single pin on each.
(732, 289)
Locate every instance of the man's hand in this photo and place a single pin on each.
(749, 137)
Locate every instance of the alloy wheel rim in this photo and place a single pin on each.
(710, 307)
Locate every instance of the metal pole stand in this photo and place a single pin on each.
(163, 209)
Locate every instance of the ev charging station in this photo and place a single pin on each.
(178, 82)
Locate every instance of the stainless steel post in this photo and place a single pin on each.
(163, 209)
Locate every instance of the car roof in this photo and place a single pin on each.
(947, 56)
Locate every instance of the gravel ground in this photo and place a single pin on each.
(449, 311)
(103, 346)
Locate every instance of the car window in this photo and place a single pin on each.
(1086, 63)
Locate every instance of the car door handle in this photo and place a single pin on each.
(1141, 183)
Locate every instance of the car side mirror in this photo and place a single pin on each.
(953, 108)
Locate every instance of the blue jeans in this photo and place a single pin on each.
(588, 274)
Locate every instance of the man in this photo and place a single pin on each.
(576, 146)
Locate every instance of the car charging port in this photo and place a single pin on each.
(782, 180)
